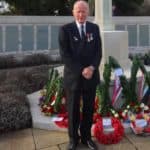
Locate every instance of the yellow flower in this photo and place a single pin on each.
(132, 117)
(43, 92)
(146, 117)
(116, 115)
(45, 106)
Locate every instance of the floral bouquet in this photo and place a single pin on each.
(52, 99)
(108, 128)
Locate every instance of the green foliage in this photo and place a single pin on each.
(133, 78)
(130, 85)
(54, 90)
(126, 89)
(146, 74)
(113, 62)
(103, 88)
(147, 59)
(51, 85)
(103, 96)
(60, 94)
(64, 7)
(38, 7)
(126, 8)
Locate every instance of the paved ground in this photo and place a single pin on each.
(37, 139)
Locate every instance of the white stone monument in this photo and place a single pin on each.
(115, 43)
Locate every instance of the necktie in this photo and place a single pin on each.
(82, 31)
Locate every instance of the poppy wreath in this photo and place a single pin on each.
(52, 98)
(138, 129)
(112, 137)
(64, 122)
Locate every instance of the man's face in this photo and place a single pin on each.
(80, 12)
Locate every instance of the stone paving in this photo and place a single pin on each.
(37, 139)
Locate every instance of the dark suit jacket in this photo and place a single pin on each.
(77, 54)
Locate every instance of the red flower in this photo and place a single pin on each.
(139, 116)
(96, 117)
(147, 130)
(112, 137)
(53, 98)
(62, 109)
(132, 104)
(64, 122)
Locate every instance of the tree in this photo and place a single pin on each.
(127, 8)
(44, 7)
(38, 7)
(123, 7)
(64, 7)
(92, 7)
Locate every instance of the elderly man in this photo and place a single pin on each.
(80, 49)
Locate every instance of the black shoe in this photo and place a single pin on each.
(90, 144)
(72, 145)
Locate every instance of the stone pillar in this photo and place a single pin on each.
(103, 14)
(115, 43)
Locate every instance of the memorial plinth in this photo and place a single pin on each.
(116, 45)
(40, 121)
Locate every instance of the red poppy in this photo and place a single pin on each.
(112, 137)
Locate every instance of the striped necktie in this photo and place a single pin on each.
(82, 32)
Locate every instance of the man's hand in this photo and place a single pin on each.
(88, 72)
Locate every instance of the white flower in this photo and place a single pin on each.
(146, 108)
(113, 111)
(116, 115)
(53, 102)
(48, 108)
(63, 100)
(128, 106)
(125, 110)
(142, 105)
(123, 114)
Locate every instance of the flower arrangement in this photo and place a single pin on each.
(111, 137)
(106, 110)
(140, 123)
(133, 108)
(64, 122)
(138, 117)
(52, 99)
(130, 86)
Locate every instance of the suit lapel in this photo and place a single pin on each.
(75, 31)
(88, 30)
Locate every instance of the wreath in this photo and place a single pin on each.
(112, 137)
(52, 97)
(64, 122)
(139, 128)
